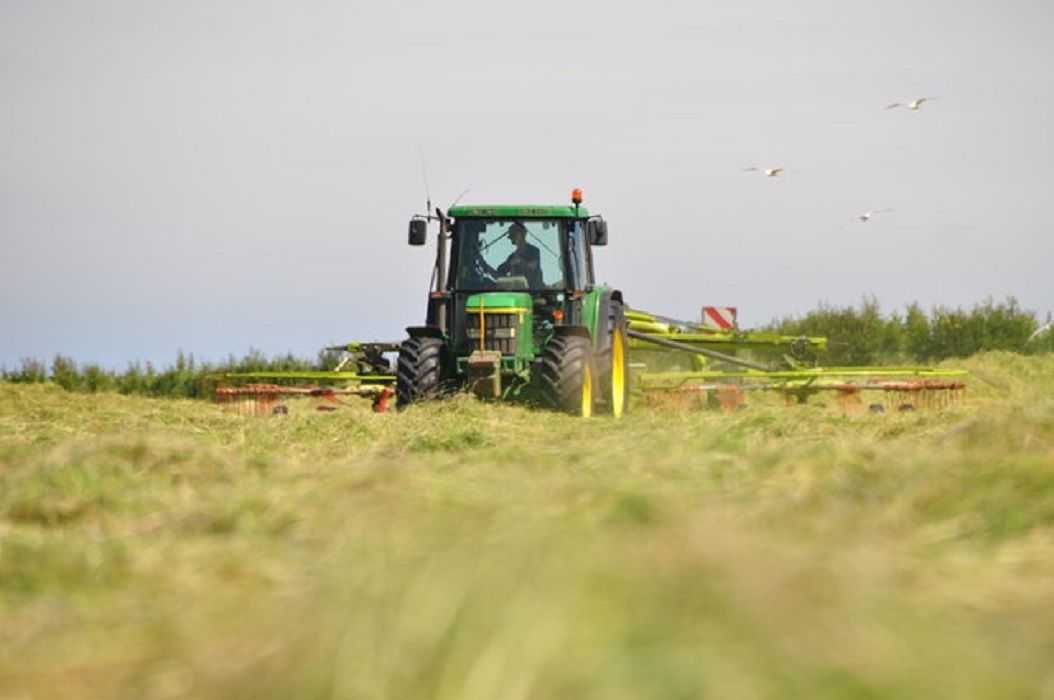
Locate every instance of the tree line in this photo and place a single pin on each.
(187, 378)
(864, 335)
(857, 335)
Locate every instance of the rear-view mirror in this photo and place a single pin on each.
(418, 231)
(598, 231)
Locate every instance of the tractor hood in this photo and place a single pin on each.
(501, 322)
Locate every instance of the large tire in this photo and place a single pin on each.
(420, 370)
(565, 375)
(613, 362)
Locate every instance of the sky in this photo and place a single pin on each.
(218, 176)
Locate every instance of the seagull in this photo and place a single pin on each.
(769, 172)
(1039, 332)
(866, 216)
(913, 105)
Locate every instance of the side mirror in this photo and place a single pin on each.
(598, 231)
(418, 231)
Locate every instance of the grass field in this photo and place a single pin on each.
(157, 548)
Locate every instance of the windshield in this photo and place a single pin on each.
(509, 254)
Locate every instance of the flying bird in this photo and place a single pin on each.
(866, 216)
(769, 172)
(1039, 332)
(913, 105)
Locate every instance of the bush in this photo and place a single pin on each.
(855, 336)
(30, 372)
(862, 336)
(95, 379)
(64, 373)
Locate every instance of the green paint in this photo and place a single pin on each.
(518, 211)
(694, 333)
(591, 311)
(742, 339)
(342, 376)
(522, 302)
(499, 300)
(658, 380)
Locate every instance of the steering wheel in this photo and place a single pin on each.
(478, 274)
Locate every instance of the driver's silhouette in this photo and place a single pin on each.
(524, 261)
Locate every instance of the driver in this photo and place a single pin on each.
(525, 260)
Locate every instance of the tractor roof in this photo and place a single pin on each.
(518, 211)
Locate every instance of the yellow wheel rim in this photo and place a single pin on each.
(618, 375)
(587, 391)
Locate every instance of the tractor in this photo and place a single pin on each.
(514, 311)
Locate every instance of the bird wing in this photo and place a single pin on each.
(894, 105)
(1039, 332)
(772, 172)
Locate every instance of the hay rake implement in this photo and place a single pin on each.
(724, 377)
(259, 393)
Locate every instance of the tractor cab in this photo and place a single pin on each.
(508, 281)
(518, 255)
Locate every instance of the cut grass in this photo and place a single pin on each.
(164, 548)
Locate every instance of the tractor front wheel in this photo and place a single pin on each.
(566, 377)
(419, 370)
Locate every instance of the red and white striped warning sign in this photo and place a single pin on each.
(720, 317)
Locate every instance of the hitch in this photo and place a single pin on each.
(484, 373)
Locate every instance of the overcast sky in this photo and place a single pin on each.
(215, 176)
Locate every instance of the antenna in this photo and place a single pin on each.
(467, 190)
(424, 176)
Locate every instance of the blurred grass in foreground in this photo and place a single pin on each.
(156, 548)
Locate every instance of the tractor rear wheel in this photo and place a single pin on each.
(419, 371)
(566, 377)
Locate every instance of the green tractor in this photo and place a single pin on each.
(514, 311)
